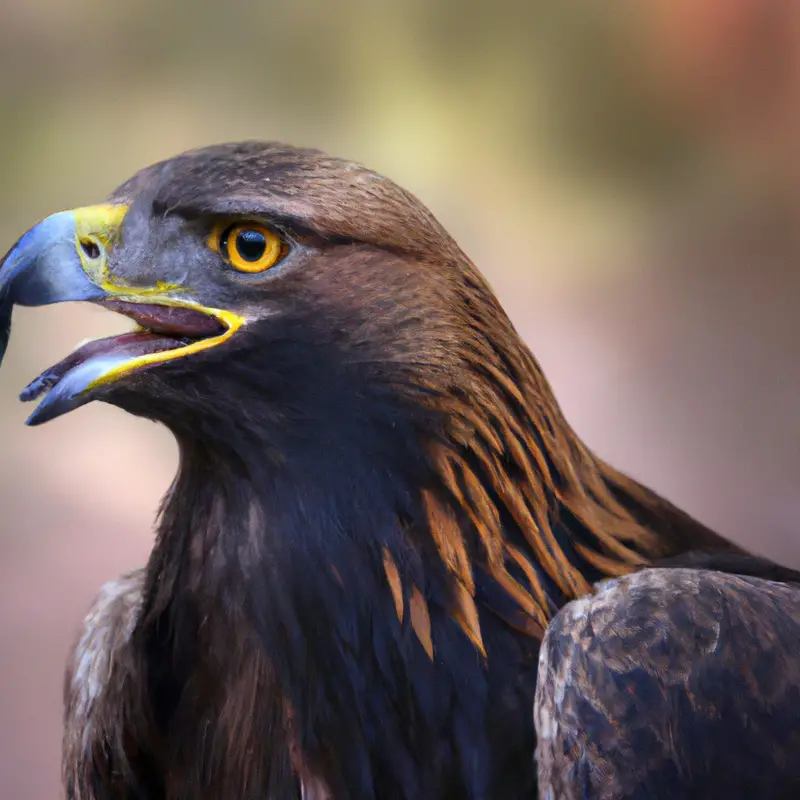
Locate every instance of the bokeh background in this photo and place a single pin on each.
(626, 174)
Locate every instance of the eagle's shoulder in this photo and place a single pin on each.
(94, 679)
(672, 678)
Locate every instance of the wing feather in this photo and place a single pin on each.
(672, 683)
(93, 686)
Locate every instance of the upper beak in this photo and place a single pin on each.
(61, 259)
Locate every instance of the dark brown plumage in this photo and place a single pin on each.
(379, 507)
(672, 683)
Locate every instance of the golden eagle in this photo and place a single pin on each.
(387, 563)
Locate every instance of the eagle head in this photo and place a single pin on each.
(320, 279)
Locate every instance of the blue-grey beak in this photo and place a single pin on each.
(61, 259)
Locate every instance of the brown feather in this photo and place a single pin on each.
(421, 620)
(393, 576)
(449, 540)
(465, 614)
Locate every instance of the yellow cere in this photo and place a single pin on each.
(97, 230)
(231, 321)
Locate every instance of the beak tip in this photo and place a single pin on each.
(40, 415)
(34, 419)
(5, 324)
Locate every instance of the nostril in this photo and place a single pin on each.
(90, 248)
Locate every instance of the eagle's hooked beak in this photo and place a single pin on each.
(65, 258)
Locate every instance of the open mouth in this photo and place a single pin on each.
(163, 332)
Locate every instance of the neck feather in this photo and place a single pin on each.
(388, 558)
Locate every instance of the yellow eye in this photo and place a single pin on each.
(249, 247)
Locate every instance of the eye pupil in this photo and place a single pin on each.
(250, 244)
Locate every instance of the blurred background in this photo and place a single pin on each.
(625, 174)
